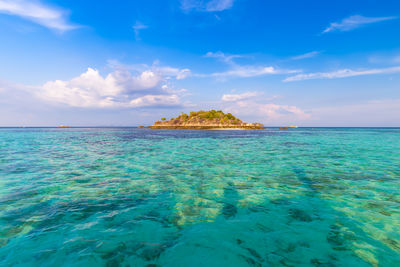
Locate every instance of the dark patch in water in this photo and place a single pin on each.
(263, 228)
(231, 196)
(337, 238)
(304, 244)
(251, 261)
(374, 205)
(285, 262)
(254, 254)
(173, 219)
(114, 259)
(290, 248)
(154, 216)
(18, 170)
(301, 175)
(393, 244)
(280, 201)
(115, 262)
(294, 144)
(3, 242)
(258, 208)
(82, 180)
(321, 263)
(229, 210)
(300, 215)
(152, 252)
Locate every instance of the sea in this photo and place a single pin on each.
(146, 197)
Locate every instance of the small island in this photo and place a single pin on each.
(210, 120)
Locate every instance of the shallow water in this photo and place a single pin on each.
(142, 197)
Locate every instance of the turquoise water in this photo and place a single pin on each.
(142, 197)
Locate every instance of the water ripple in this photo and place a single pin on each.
(125, 196)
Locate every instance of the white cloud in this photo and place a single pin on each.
(219, 5)
(354, 22)
(268, 113)
(155, 100)
(137, 28)
(223, 57)
(243, 71)
(306, 55)
(251, 104)
(117, 89)
(206, 6)
(179, 74)
(246, 72)
(238, 97)
(341, 74)
(49, 17)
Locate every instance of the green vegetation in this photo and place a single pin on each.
(208, 115)
(183, 116)
(204, 120)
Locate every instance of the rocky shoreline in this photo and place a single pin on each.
(206, 127)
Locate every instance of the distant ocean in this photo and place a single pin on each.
(142, 197)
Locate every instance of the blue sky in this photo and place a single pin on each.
(126, 63)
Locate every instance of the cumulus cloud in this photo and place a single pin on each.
(238, 97)
(37, 12)
(117, 89)
(206, 6)
(341, 74)
(354, 22)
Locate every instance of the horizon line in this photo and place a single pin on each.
(265, 127)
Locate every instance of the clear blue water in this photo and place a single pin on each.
(142, 197)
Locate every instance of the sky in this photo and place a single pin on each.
(128, 63)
